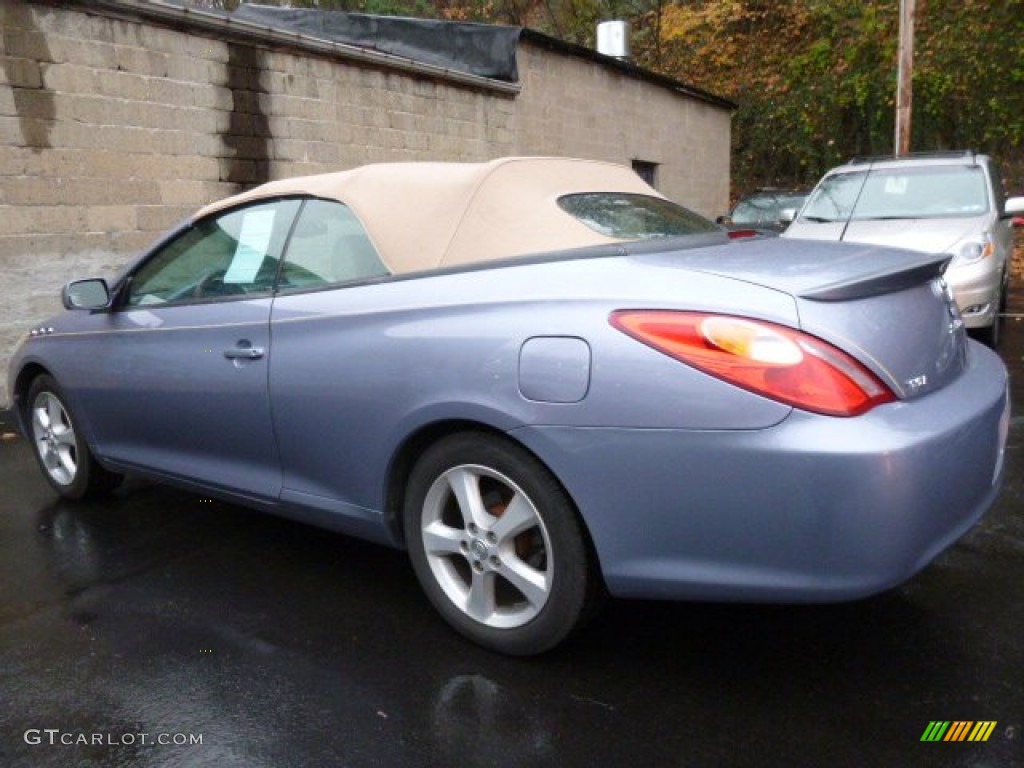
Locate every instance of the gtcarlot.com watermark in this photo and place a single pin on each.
(56, 737)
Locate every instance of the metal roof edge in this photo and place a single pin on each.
(178, 15)
(223, 25)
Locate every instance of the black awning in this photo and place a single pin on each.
(485, 50)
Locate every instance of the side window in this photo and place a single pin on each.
(329, 246)
(231, 254)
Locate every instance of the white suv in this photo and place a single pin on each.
(949, 202)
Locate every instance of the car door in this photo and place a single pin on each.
(179, 367)
(327, 412)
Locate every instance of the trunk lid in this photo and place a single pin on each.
(889, 308)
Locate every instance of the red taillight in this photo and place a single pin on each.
(771, 360)
(740, 234)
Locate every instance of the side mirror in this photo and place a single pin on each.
(92, 293)
(723, 220)
(787, 215)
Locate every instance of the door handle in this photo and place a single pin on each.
(244, 352)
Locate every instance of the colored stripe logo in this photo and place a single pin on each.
(958, 730)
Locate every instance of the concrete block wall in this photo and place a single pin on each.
(112, 128)
(570, 106)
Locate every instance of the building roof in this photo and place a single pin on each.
(429, 215)
(481, 56)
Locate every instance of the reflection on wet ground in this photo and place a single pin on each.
(133, 628)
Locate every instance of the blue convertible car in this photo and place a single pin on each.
(543, 379)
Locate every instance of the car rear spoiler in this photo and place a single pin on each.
(887, 281)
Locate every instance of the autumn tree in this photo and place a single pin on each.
(814, 80)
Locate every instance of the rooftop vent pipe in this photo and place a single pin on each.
(613, 39)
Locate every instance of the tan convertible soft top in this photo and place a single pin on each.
(426, 215)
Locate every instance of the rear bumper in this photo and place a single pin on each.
(815, 509)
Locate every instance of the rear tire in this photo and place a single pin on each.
(497, 545)
(59, 446)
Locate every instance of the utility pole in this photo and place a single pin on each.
(905, 73)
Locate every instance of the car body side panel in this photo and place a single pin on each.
(154, 391)
(356, 371)
(816, 508)
(690, 487)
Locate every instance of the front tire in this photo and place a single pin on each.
(992, 335)
(497, 545)
(59, 446)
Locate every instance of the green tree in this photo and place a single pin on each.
(814, 80)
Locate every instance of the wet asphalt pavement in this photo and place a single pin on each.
(132, 629)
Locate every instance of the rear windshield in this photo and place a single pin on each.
(634, 217)
(925, 192)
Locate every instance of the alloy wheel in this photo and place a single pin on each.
(487, 546)
(54, 437)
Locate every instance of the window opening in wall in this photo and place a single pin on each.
(647, 171)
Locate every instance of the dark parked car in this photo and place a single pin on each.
(543, 379)
(761, 212)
